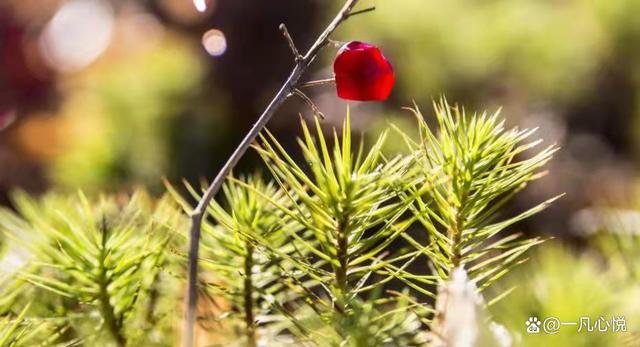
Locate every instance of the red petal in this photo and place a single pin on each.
(362, 73)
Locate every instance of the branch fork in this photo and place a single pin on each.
(289, 88)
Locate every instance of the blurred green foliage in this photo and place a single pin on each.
(566, 284)
(132, 112)
(123, 117)
(545, 50)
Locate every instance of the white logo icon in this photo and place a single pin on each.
(533, 325)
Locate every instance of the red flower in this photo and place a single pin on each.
(362, 73)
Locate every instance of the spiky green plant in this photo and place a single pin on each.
(93, 266)
(351, 204)
(475, 166)
(252, 282)
(334, 252)
(16, 331)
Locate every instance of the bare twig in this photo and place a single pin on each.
(296, 54)
(368, 9)
(336, 44)
(297, 92)
(197, 215)
(317, 83)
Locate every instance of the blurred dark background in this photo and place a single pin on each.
(107, 94)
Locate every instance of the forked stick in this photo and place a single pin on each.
(302, 62)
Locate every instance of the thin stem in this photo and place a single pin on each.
(198, 214)
(318, 82)
(456, 231)
(297, 92)
(249, 318)
(342, 269)
(107, 311)
(368, 9)
(294, 50)
(459, 217)
(457, 227)
(342, 253)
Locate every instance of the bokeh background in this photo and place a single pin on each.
(104, 95)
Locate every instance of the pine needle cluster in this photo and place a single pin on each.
(347, 247)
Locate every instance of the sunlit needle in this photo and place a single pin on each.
(201, 5)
